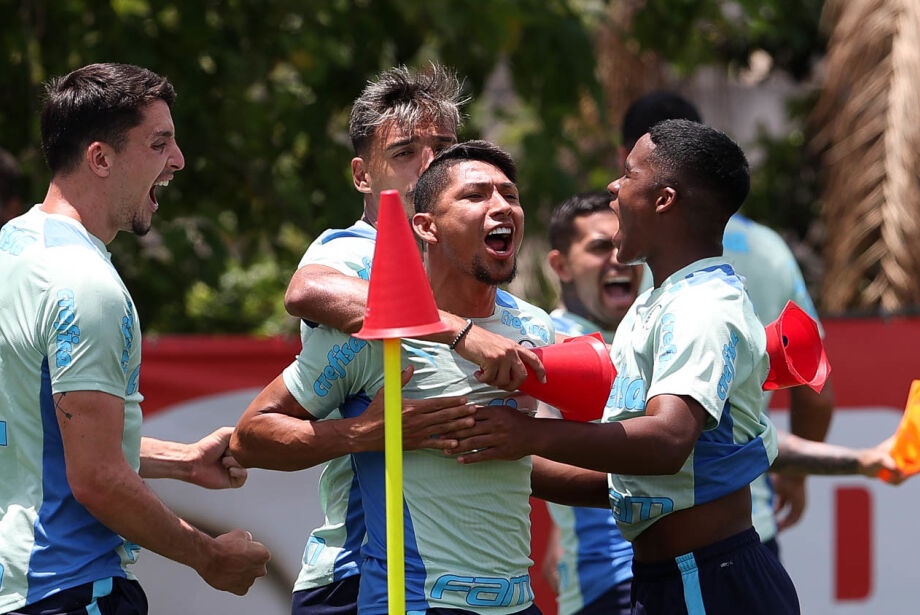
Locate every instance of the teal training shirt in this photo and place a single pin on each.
(67, 323)
(333, 550)
(467, 527)
(695, 335)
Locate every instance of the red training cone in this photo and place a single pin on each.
(906, 448)
(796, 352)
(579, 376)
(400, 302)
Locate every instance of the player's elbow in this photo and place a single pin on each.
(674, 453)
(244, 446)
(93, 486)
(301, 294)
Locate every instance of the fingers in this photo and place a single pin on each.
(238, 476)
(532, 361)
(406, 375)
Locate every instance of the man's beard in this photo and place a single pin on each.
(140, 227)
(482, 274)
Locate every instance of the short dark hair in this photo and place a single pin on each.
(99, 102)
(406, 96)
(562, 221)
(702, 160)
(434, 180)
(652, 108)
(10, 178)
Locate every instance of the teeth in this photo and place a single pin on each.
(620, 279)
(162, 183)
(503, 230)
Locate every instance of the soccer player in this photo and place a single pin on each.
(467, 528)
(74, 509)
(772, 277)
(588, 560)
(401, 120)
(683, 434)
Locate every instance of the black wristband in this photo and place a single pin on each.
(463, 331)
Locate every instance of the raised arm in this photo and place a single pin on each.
(322, 294)
(103, 481)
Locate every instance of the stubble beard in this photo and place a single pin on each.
(482, 274)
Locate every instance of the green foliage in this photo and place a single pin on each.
(690, 33)
(264, 93)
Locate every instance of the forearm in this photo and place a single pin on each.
(568, 485)
(164, 459)
(801, 456)
(280, 442)
(115, 495)
(639, 446)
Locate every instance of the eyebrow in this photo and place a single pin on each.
(480, 185)
(163, 133)
(412, 139)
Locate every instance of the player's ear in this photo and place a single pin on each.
(425, 227)
(360, 175)
(665, 200)
(560, 265)
(98, 157)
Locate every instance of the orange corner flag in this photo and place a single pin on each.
(906, 448)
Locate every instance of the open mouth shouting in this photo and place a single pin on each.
(618, 289)
(153, 191)
(499, 242)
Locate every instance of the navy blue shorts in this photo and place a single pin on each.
(614, 601)
(735, 575)
(337, 598)
(111, 596)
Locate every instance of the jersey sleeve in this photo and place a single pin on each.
(85, 324)
(332, 368)
(351, 256)
(697, 352)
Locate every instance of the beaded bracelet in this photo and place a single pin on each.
(463, 331)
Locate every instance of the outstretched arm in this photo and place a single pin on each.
(207, 463)
(102, 480)
(324, 295)
(801, 456)
(657, 443)
(277, 433)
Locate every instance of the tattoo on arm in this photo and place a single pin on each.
(57, 405)
(801, 456)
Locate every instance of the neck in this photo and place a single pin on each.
(370, 211)
(458, 292)
(69, 197)
(673, 258)
(573, 304)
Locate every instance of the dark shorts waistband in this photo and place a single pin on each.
(647, 571)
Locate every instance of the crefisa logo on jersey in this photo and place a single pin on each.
(339, 357)
(68, 334)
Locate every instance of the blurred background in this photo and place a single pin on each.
(822, 96)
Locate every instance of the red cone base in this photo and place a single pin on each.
(579, 376)
(400, 302)
(796, 353)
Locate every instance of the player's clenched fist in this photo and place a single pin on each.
(235, 563)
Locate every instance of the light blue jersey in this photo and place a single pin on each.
(596, 557)
(695, 335)
(67, 323)
(772, 277)
(467, 527)
(333, 551)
